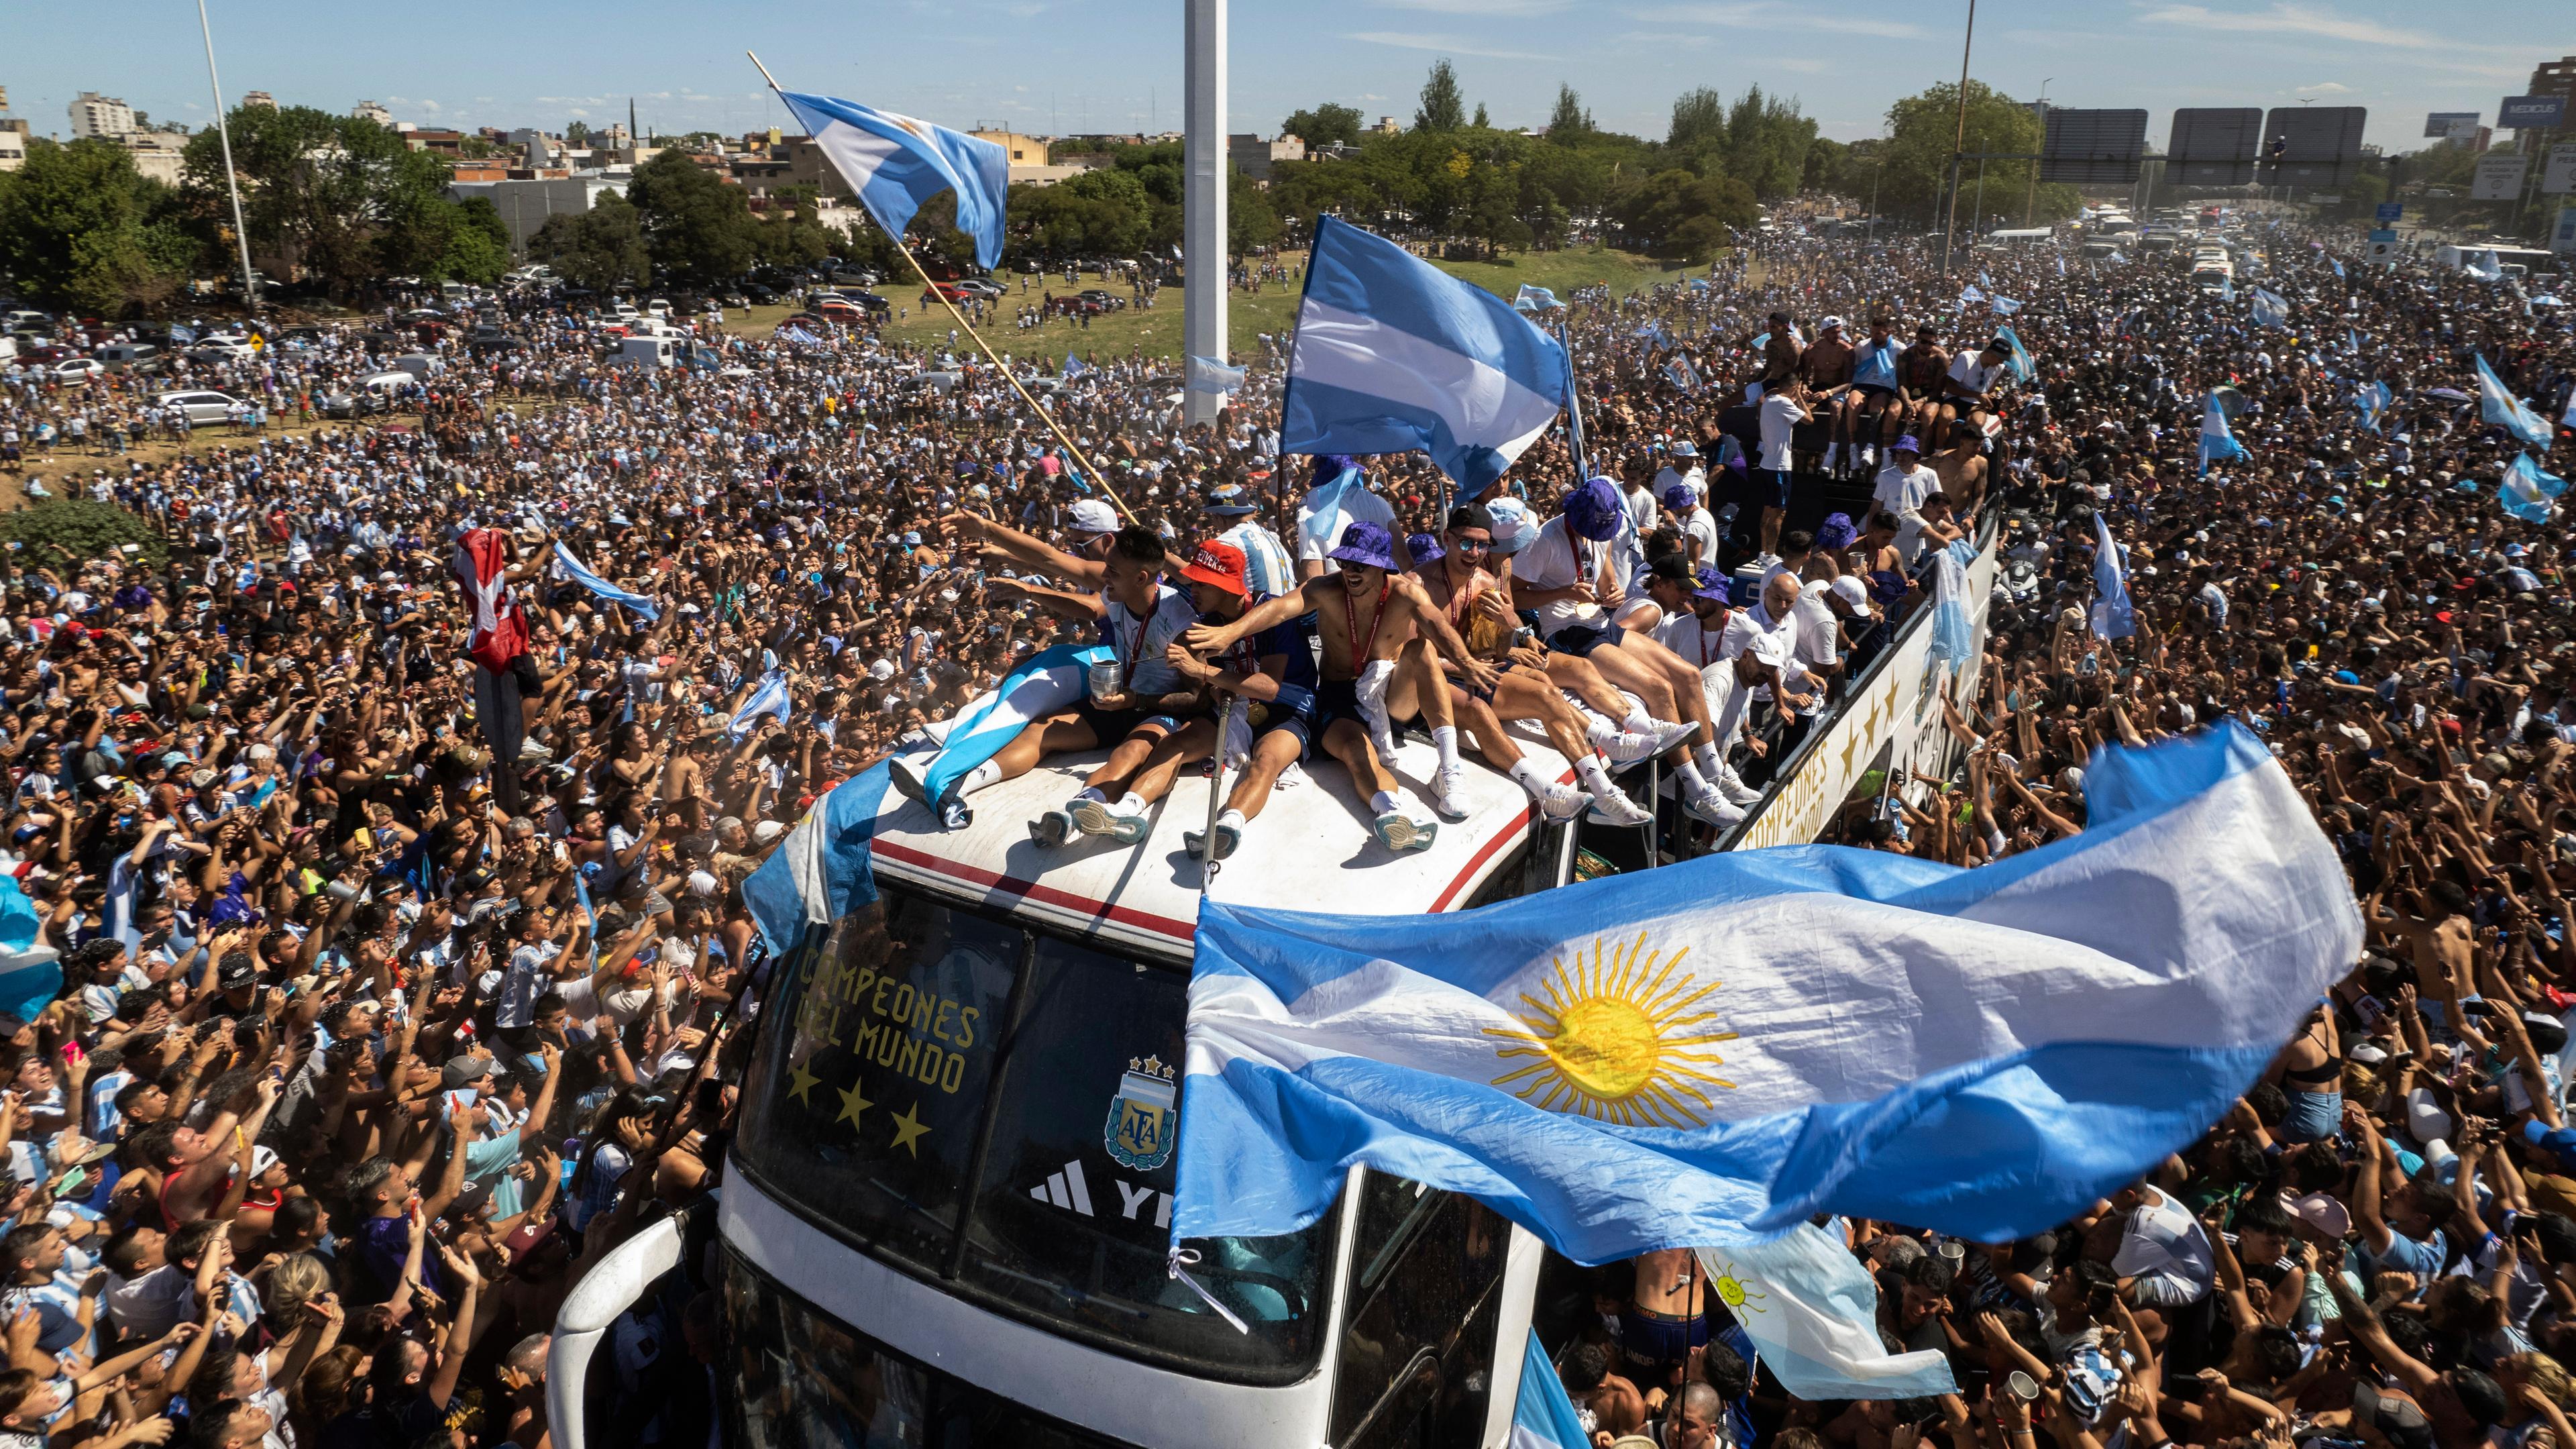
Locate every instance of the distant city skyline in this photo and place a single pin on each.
(1061, 68)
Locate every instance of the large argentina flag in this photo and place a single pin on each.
(1393, 354)
(1711, 1052)
(895, 163)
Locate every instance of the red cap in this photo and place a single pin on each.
(1219, 566)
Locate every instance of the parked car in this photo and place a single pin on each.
(373, 394)
(855, 276)
(77, 371)
(953, 291)
(420, 365)
(200, 407)
(130, 357)
(1108, 301)
(761, 295)
(981, 287)
(222, 347)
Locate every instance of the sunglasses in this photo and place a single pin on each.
(1472, 545)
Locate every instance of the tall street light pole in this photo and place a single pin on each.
(1959, 141)
(224, 134)
(2030, 200)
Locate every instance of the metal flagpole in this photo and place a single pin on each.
(1959, 142)
(1573, 406)
(1098, 474)
(224, 134)
(1208, 863)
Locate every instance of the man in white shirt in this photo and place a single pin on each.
(1573, 575)
(1971, 379)
(1782, 411)
(1266, 564)
(1904, 483)
(1683, 467)
(1698, 526)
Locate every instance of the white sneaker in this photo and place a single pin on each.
(1400, 832)
(1712, 808)
(1624, 747)
(1732, 786)
(1615, 808)
(1129, 827)
(907, 780)
(1111, 818)
(1053, 828)
(1449, 791)
(1669, 733)
(1229, 834)
(1561, 801)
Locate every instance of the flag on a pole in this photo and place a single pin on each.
(770, 698)
(2372, 400)
(1534, 299)
(2004, 306)
(2498, 405)
(895, 163)
(1393, 354)
(581, 575)
(1208, 374)
(1681, 374)
(2528, 493)
(1074, 367)
(2022, 366)
(2271, 309)
(1811, 1310)
(1710, 1053)
(2217, 442)
(2113, 617)
(1970, 296)
(1543, 1416)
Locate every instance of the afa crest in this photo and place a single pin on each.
(1143, 1123)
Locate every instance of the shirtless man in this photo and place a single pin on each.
(1780, 352)
(1377, 670)
(1922, 380)
(1666, 1317)
(1826, 369)
(1962, 468)
(1473, 602)
(1571, 576)
(2445, 967)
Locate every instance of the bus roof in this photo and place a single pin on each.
(1310, 849)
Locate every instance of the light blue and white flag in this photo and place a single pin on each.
(1534, 299)
(1044, 683)
(1543, 1416)
(2217, 441)
(2483, 264)
(1711, 1052)
(2498, 405)
(1322, 514)
(1393, 354)
(821, 871)
(1681, 374)
(2271, 309)
(2113, 616)
(2373, 400)
(2061, 264)
(1970, 296)
(1074, 367)
(770, 698)
(31, 972)
(2022, 366)
(895, 163)
(1208, 374)
(2117, 257)
(603, 588)
(2528, 493)
(1811, 1309)
(1654, 332)
(2227, 289)
(1985, 281)
(1694, 284)
(792, 333)
(2335, 263)
(2352, 339)
(2005, 306)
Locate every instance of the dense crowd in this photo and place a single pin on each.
(380, 1021)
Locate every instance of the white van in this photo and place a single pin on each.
(421, 365)
(651, 351)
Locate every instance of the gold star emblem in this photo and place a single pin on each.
(852, 1104)
(800, 1082)
(907, 1126)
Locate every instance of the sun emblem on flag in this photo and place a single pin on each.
(1622, 1036)
(1738, 1297)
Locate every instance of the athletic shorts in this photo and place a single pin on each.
(1658, 1340)
(1109, 726)
(1871, 390)
(1771, 487)
(1336, 699)
(1580, 640)
(1293, 711)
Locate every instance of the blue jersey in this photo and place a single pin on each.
(1874, 364)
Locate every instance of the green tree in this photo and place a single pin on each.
(577, 135)
(1251, 220)
(1678, 213)
(336, 197)
(602, 248)
(1921, 131)
(1766, 143)
(1443, 108)
(1699, 117)
(81, 228)
(475, 148)
(698, 228)
(1329, 124)
(1569, 122)
(1480, 123)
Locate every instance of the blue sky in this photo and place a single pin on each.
(1046, 66)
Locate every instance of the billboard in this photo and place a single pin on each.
(2445, 125)
(2313, 145)
(2532, 113)
(2500, 176)
(2214, 146)
(2093, 148)
(2560, 178)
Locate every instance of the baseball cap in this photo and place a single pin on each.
(465, 1070)
(2320, 1212)
(767, 831)
(1093, 516)
(238, 975)
(1218, 565)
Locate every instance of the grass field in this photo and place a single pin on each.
(1157, 333)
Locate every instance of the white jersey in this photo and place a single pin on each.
(1556, 559)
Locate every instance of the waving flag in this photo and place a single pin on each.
(2117, 257)
(581, 575)
(1983, 280)
(2483, 265)
(2270, 309)
(1714, 1051)
(482, 565)
(895, 163)
(821, 872)
(1654, 332)
(2227, 289)
(1811, 1310)
(2061, 264)
(2336, 264)
(789, 332)
(770, 698)
(2498, 405)
(1075, 367)
(2529, 494)
(1045, 682)
(2372, 401)
(1534, 299)
(31, 972)
(2005, 306)
(1681, 374)
(1970, 296)
(1543, 1416)
(2022, 366)
(1208, 374)
(2352, 339)
(2113, 617)
(1393, 354)
(2217, 442)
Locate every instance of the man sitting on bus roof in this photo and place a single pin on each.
(1377, 673)
(1274, 673)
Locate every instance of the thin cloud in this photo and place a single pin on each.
(1772, 15)
(1503, 8)
(2284, 19)
(1446, 43)
(2326, 88)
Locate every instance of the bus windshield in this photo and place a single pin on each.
(994, 1110)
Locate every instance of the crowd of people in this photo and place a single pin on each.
(380, 1023)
